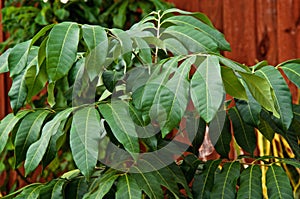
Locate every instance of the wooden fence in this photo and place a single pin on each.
(256, 29)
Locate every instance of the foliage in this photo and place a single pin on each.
(119, 100)
(22, 19)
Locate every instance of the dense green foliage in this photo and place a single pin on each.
(22, 19)
(111, 88)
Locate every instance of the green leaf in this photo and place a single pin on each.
(120, 18)
(175, 46)
(293, 141)
(127, 187)
(41, 33)
(232, 84)
(7, 124)
(204, 28)
(61, 49)
(102, 185)
(250, 110)
(51, 97)
(118, 117)
(225, 182)
(204, 182)
(146, 95)
(35, 80)
(278, 184)
(198, 15)
(28, 133)
(144, 50)
(231, 64)
(243, 133)
(85, 135)
(282, 95)
(292, 71)
(223, 144)
(174, 98)
(151, 182)
(125, 42)
(77, 188)
(46, 190)
(37, 150)
(259, 65)
(31, 192)
(4, 61)
(17, 58)
(261, 90)
(194, 40)
(58, 188)
(207, 88)
(250, 183)
(96, 39)
(53, 147)
(265, 129)
(18, 92)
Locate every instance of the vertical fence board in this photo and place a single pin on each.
(287, 20)
(3, 97)
(214, 10)
(239, 28)
(266, 31)
(191, 5)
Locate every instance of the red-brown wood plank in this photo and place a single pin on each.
(288, 23)
(239, 29)
(191, 5)
(266, 31)
(3, 97)
(288, 19)
(214, 10)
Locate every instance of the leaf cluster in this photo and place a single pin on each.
(109, 87)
